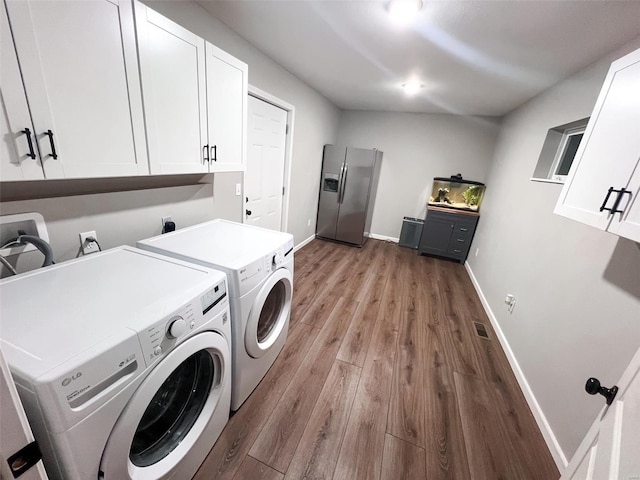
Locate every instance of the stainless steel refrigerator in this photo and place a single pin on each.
(347, 193)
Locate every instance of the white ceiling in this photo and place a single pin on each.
(474, 57)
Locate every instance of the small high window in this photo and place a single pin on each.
(558, 152)
(566, 153)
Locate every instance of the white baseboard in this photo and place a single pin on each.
(371, 235)
(375, 236)
(303, 243)
(549, 437)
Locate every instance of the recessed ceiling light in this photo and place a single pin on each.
(403, 11)
(412, 87)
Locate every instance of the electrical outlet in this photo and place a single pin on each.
(238, 189)
(477, 251)
(308, 222)
(89, 246)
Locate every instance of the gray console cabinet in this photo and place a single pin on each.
(448, 234)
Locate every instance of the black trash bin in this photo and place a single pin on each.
(411, 231)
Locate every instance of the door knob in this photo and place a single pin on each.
(593, 387)
(248, 212)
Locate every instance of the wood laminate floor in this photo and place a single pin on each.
(383, 377)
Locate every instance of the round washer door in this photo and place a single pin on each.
(269, 313)
(169, 411)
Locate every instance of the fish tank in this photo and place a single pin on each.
(457, 193)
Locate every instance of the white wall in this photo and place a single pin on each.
(126, 210)
(316, 120)
(577, 289)
(417, 147)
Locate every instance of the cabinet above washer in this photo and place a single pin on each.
(110, 88)
(71, 94)
(195, 99)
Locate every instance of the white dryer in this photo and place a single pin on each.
(122, 361)
(259, 265)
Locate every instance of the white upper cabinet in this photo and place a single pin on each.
(604, 181)
(227, 109)
(80, 72)
(194, 99)
(19, 159)
(173, 81)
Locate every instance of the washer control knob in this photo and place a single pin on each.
(157, 351)
(177, 327)
(277, 259)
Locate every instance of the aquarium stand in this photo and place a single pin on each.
(448, 233)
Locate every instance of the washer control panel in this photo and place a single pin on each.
(275, 259)
(162, 336)
(288, 249)
(177, 327)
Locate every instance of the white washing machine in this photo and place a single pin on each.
(122, 361)
(259, 265)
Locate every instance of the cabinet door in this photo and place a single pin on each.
(15, 432)
(226, 109)
(628, 224)
(80, 72)
(436, 235)
(609, 150)
(172, 65)
(18, 160)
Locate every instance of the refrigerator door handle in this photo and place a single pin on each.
(344, 181)
(341, 182)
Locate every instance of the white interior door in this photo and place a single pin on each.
(14, 429)
(264, 178)
(611, 448)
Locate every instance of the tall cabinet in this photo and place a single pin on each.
(195, 99)
(78, 65)
(603, 184)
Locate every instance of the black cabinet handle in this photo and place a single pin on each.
(621, 193)
(53, 153)
(606, 199)
(248, 212)
(214, 155)
(205, 154)
(32, 153)
(614, 209)
(593, 387)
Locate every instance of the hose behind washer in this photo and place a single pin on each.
(40, 244)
